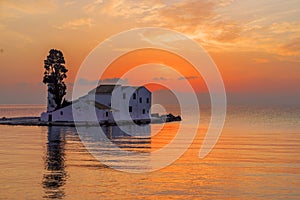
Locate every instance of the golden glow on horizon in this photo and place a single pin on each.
(167, 59)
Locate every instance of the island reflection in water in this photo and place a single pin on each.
(130, 138)
(125, 148)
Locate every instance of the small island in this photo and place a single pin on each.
(112, 103)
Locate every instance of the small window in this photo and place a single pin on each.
(106, 114)
(130, 108)
(148, 100)
(141, 100)
(61, 112)
(134, 96)
(144, 111)
(124, 95)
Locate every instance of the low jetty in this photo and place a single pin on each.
(36, 121)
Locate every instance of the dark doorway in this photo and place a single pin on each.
(49, 118)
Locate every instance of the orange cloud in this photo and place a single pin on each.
(76, 24)
(18, 8)
(261, 60)
(251, 41)
(291, 48)
(219, 25)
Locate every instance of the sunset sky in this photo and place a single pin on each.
(255, 44)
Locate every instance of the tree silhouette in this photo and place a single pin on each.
(54, 75)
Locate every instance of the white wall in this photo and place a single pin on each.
(120, 106)
(63, 114)
(83, 113)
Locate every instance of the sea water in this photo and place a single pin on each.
(257, 156)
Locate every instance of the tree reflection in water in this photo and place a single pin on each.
(55, 175)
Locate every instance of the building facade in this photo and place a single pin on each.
(111, 103)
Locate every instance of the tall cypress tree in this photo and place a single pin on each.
(54, 75)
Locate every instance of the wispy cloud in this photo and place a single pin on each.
(86, 82)
(261, 60)
(291, 48)
(159, 79)
(187, 77)
(93, 6)
(129, 8)
(17, 8)
(76, 24)
(114, 81)
(14, 37)
(219, 26)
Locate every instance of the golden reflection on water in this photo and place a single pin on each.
(230, 170)
(247, 163)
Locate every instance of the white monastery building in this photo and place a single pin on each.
(111, 103)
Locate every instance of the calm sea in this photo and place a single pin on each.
(257, 157)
